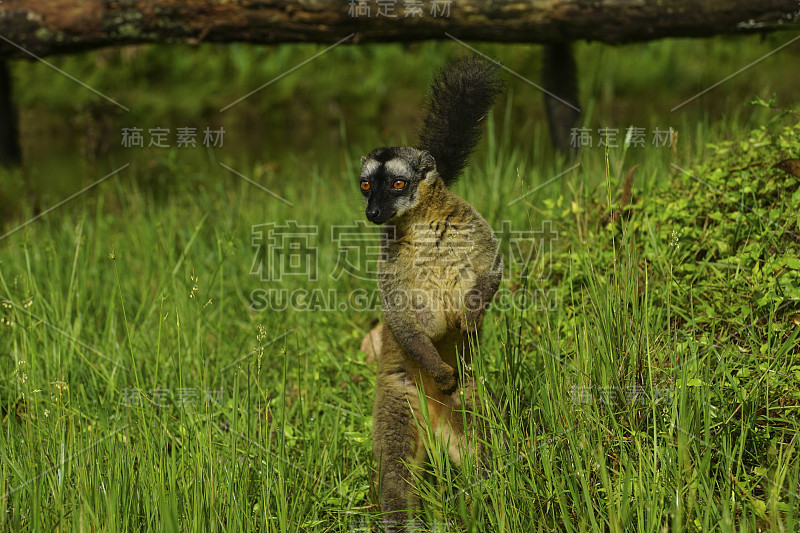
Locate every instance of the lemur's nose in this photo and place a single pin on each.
(374, 213)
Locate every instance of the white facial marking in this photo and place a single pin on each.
(368, 166)
(398, 167)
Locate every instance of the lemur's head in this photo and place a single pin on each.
(390, 179)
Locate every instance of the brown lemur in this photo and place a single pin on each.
(439, 269)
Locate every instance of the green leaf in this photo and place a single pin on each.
(792, 262)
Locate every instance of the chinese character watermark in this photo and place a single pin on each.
(442, 248)
(284, 250)
(185, 137)
(394, 8)
(634, 137)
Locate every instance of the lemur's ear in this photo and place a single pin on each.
(426, 161)
(363, 158)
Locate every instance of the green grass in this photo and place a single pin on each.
(656, 391)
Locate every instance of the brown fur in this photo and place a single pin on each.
(443, 256)
(438, 271)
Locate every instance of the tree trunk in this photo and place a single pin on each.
(44, 27)
(9, 123)
(560, 84)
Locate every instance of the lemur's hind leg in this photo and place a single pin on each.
(467, 426)
(398, 448)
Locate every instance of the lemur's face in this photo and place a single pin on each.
(389, 181)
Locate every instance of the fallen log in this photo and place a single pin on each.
(43, 27)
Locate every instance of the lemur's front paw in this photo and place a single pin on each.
(470, 322)
(446, 379)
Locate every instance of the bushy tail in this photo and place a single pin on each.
(460, 96)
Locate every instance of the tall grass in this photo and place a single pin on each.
(144, 392)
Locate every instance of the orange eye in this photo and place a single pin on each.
(399, 184)
(364, 185)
